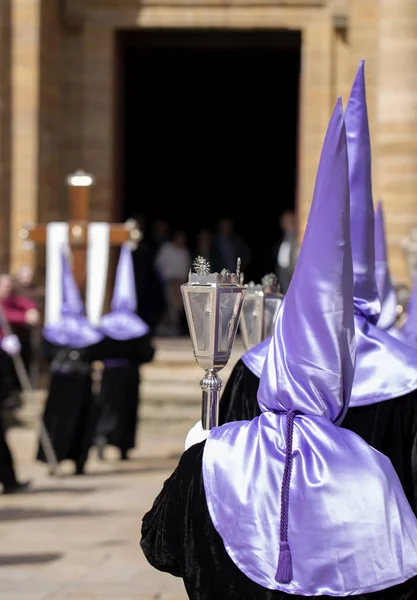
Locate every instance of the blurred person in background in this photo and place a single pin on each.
(151, 303)
(125, 347)
(9, 346)
(204, 245)
(228, 246)
(71, 345)
(21, 314)
(173, 262)
(24, 286)
(160, 233)
(285, 250)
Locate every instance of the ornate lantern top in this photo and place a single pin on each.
(269, 284)
(203, 276)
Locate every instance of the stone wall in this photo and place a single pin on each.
(63, 73)
(5, 133)
(25, 67)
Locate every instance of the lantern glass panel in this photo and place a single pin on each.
(201, 304)
(271, 308)
(250, 315)
(229, 304)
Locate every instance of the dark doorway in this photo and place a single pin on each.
(208, 129)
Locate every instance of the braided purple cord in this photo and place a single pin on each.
(286, 478)
(284, 571)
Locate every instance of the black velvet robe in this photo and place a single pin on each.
(119, 396)
(70, 413)
(389, 426)
(178, 537)
(7, 471)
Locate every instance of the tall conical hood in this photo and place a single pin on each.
(124, 292)
(72, 303)
(386, 290)
(409, 329)
(254, 358)
(314, 330)
(361, 203)
(73, 328)
(308, 485)
(122, 323)
(386, 367)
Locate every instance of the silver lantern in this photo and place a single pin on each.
(261, 305)
(213, 304)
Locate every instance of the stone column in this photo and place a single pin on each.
(364, 44)
(5, 99)
(396, 137)
(25, 59)
(316, 103)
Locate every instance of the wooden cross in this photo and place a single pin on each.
(79, 184)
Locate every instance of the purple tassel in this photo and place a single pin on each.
(284, 571)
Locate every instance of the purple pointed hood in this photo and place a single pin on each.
(254, 358)
(289, 491)
(361, 209)
(292, 377)
(386, 367)
(122, 323)
(386, 290)
(409, 329)
(73, 328)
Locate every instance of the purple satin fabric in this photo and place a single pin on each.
(311, 510)
(388, 315)
(386, 290)
(73, 331)
(123, 325)
(73, 328)
(361, 539)
(409, 329)
(399, 335)
(361, 204)
(386, 365)
(254, 358)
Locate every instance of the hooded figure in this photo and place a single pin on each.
(409, 327)
(70, 346)
(388, 315)
(126, 345)
(290, 504)
(383, 405)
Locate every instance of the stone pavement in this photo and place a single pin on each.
(77, 538)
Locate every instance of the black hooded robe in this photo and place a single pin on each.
(178, 537)
(119, 397)
(70, 412)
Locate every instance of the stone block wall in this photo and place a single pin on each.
(61, 115)
(5, 132)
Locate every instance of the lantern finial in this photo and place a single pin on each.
(238, 267)
(269, 280)
(201, 266)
